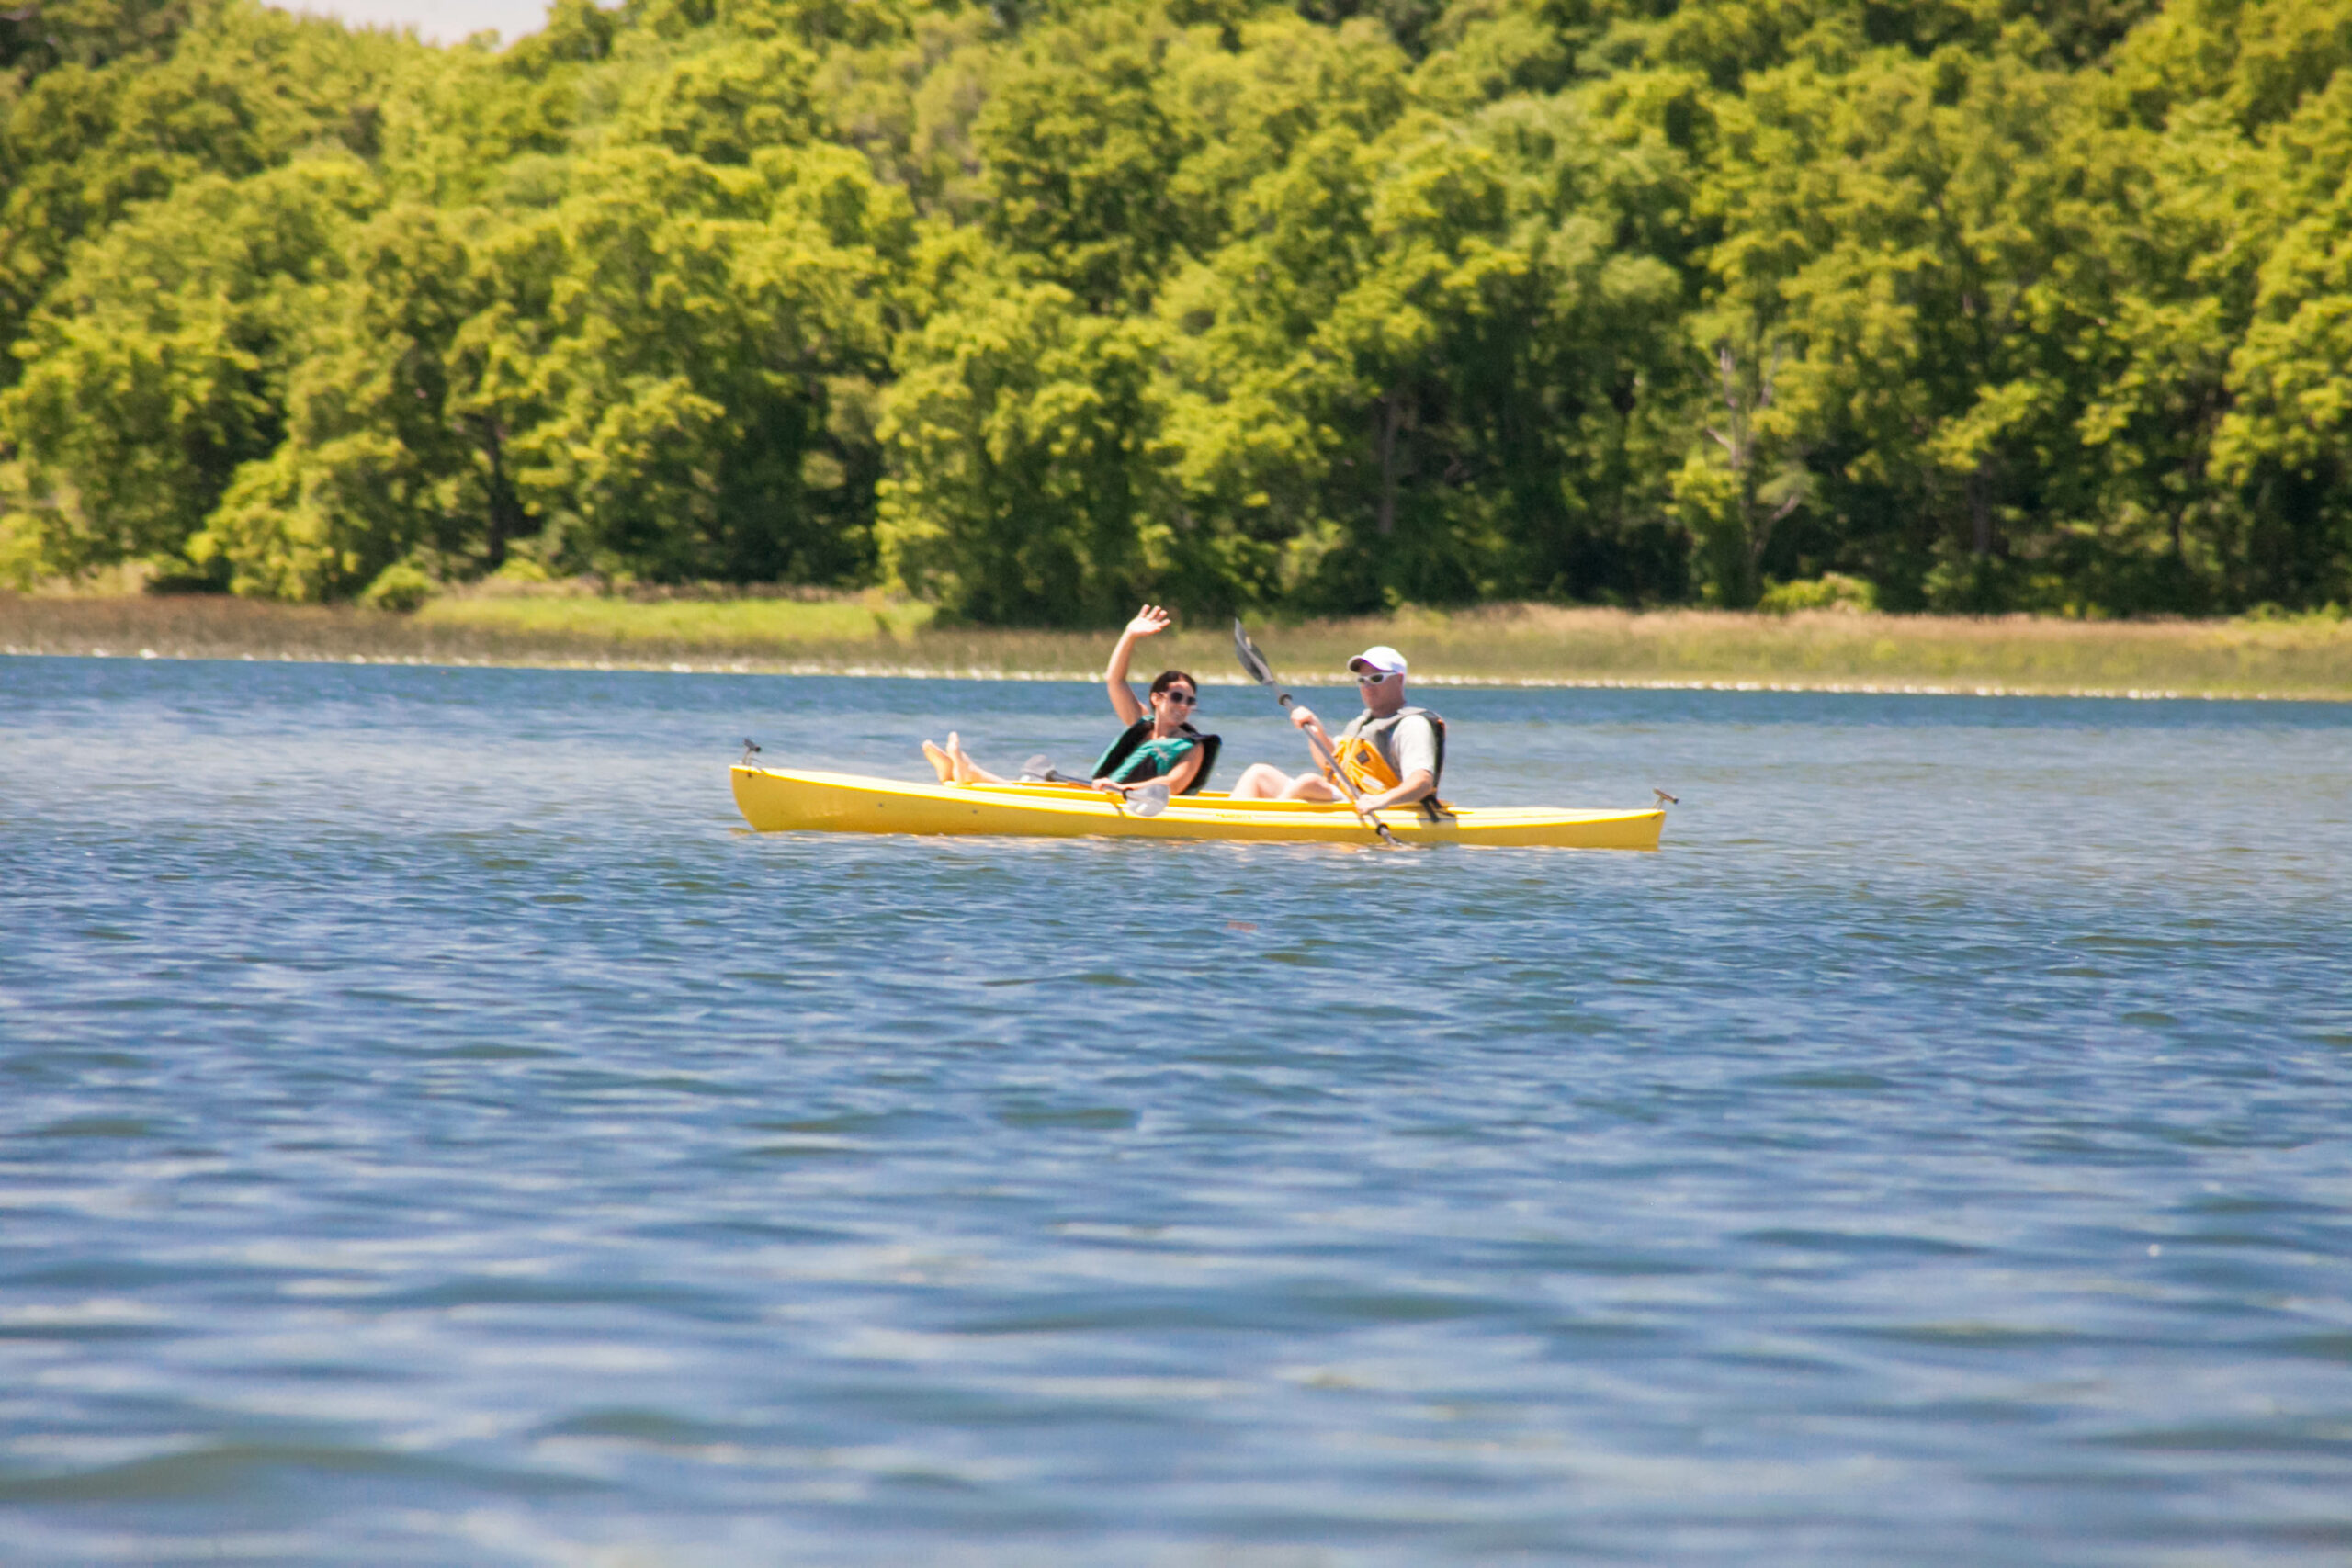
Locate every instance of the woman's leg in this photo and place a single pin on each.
(941, 762)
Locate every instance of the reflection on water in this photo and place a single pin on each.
(433, 1132)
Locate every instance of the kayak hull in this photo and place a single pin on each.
(779, 800)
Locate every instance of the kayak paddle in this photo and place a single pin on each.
(1254, 662)
(1144, 799)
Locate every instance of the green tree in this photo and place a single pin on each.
(390, 447)
(2285, 442)
(243, 92)
(160, 365)
(722, 102)
(1079, 153)
(1022, 478)
(1892, 225)
(703, 364)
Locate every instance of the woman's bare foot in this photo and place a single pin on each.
(941, 762)
(967, 771)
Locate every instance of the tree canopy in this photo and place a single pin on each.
(1038, 308)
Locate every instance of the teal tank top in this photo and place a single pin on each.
(1153, 760)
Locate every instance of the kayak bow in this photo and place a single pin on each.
(776, 800)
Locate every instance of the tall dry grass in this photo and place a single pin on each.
(2309, 657)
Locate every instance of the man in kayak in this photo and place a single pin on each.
(1159, 742)
(1394, 753)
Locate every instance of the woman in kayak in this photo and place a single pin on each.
(1160, 742)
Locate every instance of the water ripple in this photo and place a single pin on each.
(433, 1132)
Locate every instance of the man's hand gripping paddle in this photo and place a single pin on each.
(1147, 799)
(1254, 662)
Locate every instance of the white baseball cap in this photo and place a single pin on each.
(1382, 658)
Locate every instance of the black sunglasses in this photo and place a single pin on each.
(1173, 696)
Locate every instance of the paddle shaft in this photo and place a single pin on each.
(1118, 795)
(1340, 774)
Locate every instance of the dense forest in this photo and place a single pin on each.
(1038, 308)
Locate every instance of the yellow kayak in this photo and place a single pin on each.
(776, 800)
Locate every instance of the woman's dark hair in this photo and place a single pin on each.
(1168, 678)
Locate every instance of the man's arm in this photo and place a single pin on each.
(1304, 718)
(1418, 783)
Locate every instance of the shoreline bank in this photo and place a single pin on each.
(1524, 646)
(925, 673)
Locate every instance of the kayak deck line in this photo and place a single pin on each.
(777, 800)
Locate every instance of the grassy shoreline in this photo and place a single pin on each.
(2307, 658)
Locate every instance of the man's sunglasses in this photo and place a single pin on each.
(1370, 679)
(1186, 698)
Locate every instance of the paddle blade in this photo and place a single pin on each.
(1037, 767)
(1148, 801)
(1253, 662)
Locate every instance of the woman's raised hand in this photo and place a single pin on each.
(1150, 621)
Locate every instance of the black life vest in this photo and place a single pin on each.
(1139, 732)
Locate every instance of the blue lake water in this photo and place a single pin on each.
(431, 1131)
